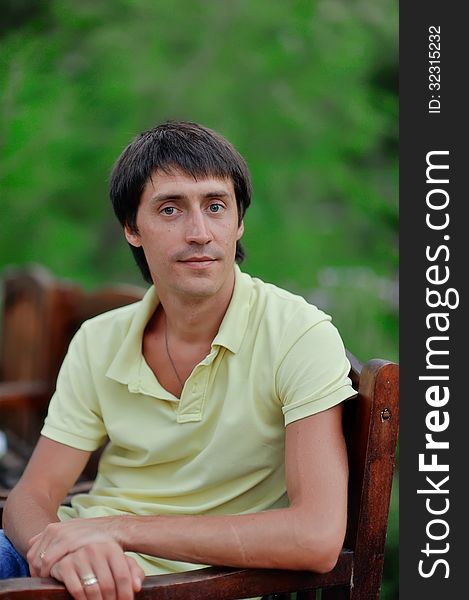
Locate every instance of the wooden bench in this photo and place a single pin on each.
(40, 316)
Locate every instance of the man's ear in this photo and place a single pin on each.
(132, 236)
(240, 230)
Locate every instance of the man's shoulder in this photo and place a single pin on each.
(109, 329)
(283, 306)
(113, 318)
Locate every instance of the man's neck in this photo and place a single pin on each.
(195, 320)
(180, 333)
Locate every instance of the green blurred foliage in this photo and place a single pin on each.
(306, 90)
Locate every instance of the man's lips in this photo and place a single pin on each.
(199, 262)
(199, 259)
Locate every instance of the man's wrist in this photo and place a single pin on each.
(122, 529)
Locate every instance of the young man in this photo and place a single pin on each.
(220, 396)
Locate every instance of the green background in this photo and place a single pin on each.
(306, 90)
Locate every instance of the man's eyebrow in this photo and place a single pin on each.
(163, 197)
(170, 196)
(216, 194)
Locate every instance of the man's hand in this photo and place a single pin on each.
(111, 575)
(85, 550)
(58, 540)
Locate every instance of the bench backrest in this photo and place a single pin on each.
(371, 422)
(40, 314)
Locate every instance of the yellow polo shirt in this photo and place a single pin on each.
(219, 449)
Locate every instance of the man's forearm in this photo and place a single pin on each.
(273, 539)
(52, 469)
(287, 538)
(25, 515)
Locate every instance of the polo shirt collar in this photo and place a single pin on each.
(234, 324)
(126, 364)
(125, 367)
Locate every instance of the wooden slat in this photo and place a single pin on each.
(379, 383)
(202, 584)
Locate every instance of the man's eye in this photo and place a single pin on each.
(168, 210)
(215, 207)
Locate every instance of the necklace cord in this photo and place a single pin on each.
(169, 355)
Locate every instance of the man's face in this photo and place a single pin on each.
(188, 230)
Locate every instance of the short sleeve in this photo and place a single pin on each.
(313, 373)
(74, 417)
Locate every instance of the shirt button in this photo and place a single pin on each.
(194, 389)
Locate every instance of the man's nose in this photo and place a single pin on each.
(198, 230)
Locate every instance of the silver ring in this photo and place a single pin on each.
(42, 553)
(89, 579)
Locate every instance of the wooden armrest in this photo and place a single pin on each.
(212, 583)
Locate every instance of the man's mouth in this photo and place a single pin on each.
(199, 261)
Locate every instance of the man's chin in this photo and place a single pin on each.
(201, 287)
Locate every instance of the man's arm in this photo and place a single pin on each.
(306, 535)
(32, 504)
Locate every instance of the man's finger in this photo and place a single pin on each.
(34, 539)
(122, 575)
(137, 573)
(65, 572)
(94, 574)
(35, 556)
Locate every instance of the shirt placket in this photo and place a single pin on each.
(193, 395)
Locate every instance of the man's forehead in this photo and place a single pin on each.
(179, 180)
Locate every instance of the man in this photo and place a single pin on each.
(220, 395)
